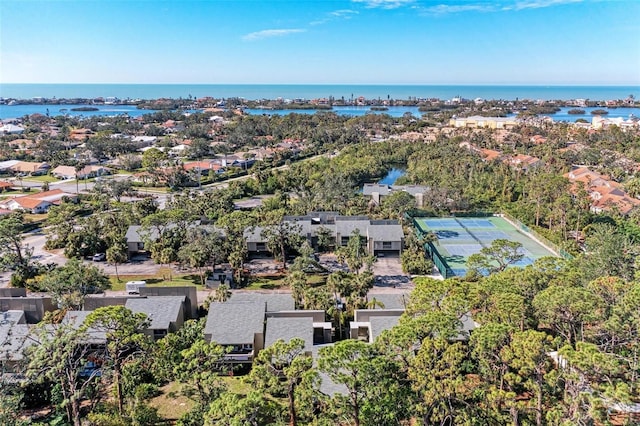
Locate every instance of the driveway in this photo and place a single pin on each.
(138, 265)
(388, 274)
(387, 271)
(36, 240)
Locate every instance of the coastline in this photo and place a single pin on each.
(314, 91)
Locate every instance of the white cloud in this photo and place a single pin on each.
(537, 4)
(496, 6)
(259, 35)
(344, 13)
(443, 9)
(385, 4)
(341, 14)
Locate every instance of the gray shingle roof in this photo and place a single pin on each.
(275, 302)
(386, 232)
(161, 310)
(380, 324)
(390, 300)
(134, 234)
(232, 323)
(411, 189)
(254, 235)
(77, 318)
(345, 227)
(14, 338)
(12, 317)
(370, 188)
(289, 328)
(327, 386)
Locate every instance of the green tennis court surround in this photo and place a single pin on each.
(457, 238)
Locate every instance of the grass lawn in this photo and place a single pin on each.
(171, 405)
(152, 189)
(161, 279)
(237, 384)
(30, 217)
(43, 178)
(277, 282)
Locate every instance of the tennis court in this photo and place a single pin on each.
(458, 238)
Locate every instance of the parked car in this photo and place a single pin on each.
(99, 257)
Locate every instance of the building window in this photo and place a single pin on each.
(387, 245)
(261, 246)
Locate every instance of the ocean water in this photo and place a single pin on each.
(313, 91)
(17, 111)
(355, 111)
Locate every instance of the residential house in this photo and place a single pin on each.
(34, 307)
(288, 328)
(87, 172)
(80, 135)
(605, 193)
(274, 302)
(7, 166)
(27, 204)
(249, 322)
(477, 121)
(5, 186)
(95, 337)
(389, 300)
(22, 144)
(95, 301)
(378, 191)
(315, 325)
(37, 203)
(136, 236)
(381, 237)
(238, 326)
(15, 337)
(486, 154)
(368, 324)
(599, 122)
(165, 313)
(489, 154)
(522, 162)
(237, 161)
(144, 141)
(189, 293)
(30, 168)
(11, 129)
(178, 150)
(204, 166)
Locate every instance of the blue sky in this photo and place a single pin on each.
(323, 42)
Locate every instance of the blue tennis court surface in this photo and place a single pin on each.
(451, 236)
(464, 250)
(449, 223)
(457, 238)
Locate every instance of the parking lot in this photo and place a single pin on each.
(388, 274)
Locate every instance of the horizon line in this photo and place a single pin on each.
(344, 84)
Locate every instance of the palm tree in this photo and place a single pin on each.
(222, 293)
(78, 167)
(374, 303)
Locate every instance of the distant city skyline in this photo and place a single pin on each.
(492, 42)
